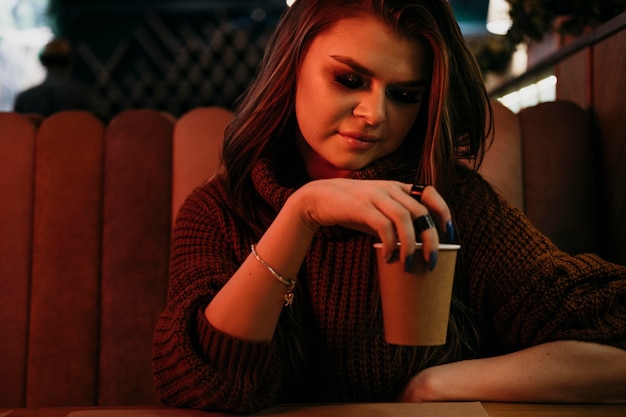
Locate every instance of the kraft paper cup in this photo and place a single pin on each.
(416, 304)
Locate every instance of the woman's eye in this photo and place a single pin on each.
(405, 96)
(351, 81)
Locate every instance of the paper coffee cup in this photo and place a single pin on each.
(416, 304)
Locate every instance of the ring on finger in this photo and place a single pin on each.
(416, 191)
(424, 222)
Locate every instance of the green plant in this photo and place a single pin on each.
(493, 53)
(533, 18)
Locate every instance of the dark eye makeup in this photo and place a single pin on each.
(355, 81)
(351, 80)
(402, 95)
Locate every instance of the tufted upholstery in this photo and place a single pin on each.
(85, 222)
(196, 156)
(17, 151)
(562, 183)
(542, 161)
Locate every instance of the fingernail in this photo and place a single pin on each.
(408, 263)
(450, 231)
(432, 260)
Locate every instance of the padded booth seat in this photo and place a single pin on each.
(85, 224)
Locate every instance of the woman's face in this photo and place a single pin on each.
(359, 90)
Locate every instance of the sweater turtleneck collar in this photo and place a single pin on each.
(265, 179)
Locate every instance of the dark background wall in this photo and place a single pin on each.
(174, 55)
(170, 56)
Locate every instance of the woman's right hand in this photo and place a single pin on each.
(382, 208)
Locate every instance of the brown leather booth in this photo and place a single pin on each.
(544, 160)
(85, 222)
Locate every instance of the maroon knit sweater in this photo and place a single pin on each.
(520, 288)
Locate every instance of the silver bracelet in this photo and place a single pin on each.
(290, 283)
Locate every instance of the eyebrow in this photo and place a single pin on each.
(366, 71)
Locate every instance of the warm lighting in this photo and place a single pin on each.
(19, 63)
(531, 94)
(519, 60)
(290, 2)
(498, 17)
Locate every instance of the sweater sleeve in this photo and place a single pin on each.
(524, 288)
(194, 364)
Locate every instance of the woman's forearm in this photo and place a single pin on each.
(564, 371)
(249, 305)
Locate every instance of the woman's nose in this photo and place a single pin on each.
(372, 107)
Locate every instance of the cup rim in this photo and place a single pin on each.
(418, 245)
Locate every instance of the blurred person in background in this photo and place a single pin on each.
(58, 91)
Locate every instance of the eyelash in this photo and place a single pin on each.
(354, 82)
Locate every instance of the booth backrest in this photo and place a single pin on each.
(17, 150)
(502, 165)
(85, 224)
(195, 155)
(542, 160)
(562, 181)
(85, 221)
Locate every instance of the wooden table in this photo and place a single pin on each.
(492, 410)
(554, 410)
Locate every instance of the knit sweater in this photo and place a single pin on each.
(520, 289)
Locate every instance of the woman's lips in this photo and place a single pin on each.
(360, 141)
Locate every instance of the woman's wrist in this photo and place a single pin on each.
(562, 371)
(302, 202)
(433, 384)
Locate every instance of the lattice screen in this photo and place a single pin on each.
(175, 62)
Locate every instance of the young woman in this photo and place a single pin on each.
(353, 133)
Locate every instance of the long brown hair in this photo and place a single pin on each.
(451, 126)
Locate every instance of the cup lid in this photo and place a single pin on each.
(418, 245)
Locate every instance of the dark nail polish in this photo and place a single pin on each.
(408, 263)
(450, 231)
(432, 260)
